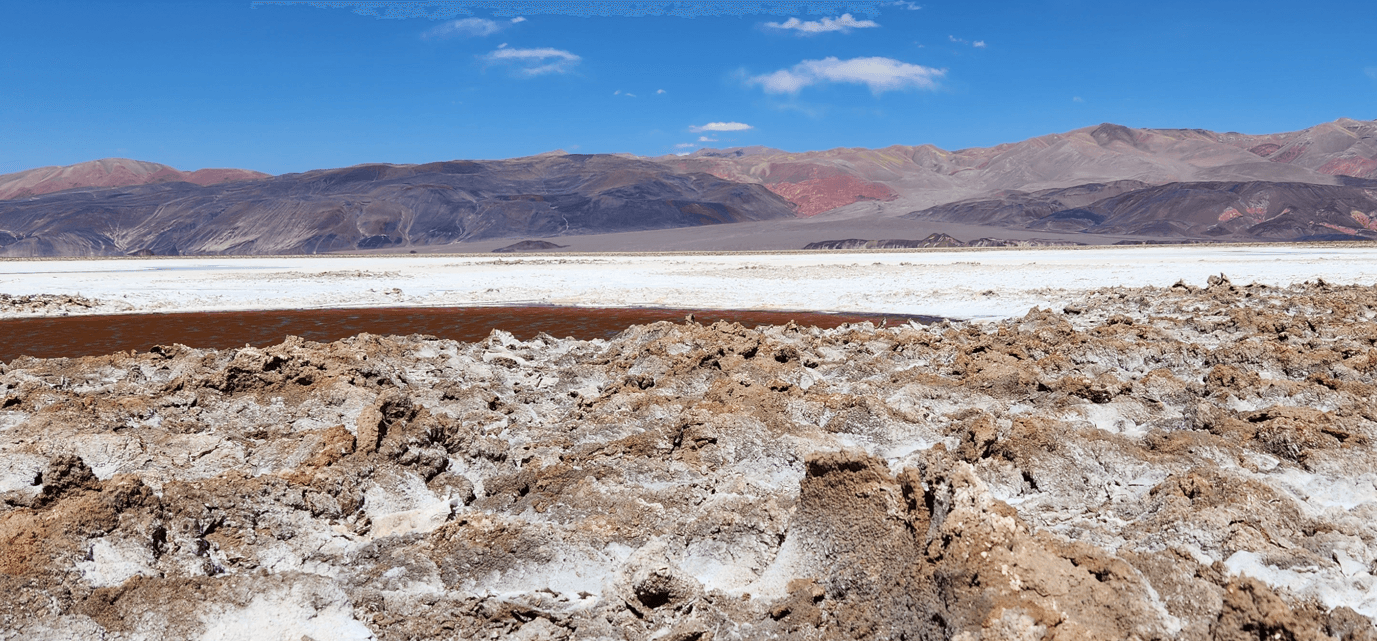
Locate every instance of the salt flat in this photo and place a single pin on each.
(983, 284)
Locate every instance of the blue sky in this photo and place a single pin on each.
(291, 87)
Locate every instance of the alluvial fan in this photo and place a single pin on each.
(1147, 463)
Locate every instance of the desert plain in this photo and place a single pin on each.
(965, 284)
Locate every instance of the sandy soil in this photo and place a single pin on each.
(970, 284)
(1142, 463)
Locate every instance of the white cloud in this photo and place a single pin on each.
(978, 44)
(534, 62)
(466, 28)
(706, 139)
(619, 93)
(722, 126)
(906, 5)
(518, 20)
(880, 74)
(659, 91)
(1077, 99)
(1371, 72)
(812, 27)
(685, 145)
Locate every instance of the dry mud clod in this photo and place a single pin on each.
(1180, 463)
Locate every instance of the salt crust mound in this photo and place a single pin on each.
(1147, 464)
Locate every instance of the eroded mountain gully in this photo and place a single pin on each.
(1192, 463)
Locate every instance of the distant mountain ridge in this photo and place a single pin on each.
(381, 207)
(1157, 184)
(1237, 211)
(110, 172)
(918, 177)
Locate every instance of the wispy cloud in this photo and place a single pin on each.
(904, 5)
(534, 62)
(706, 139)
(721, 126)
(466, 28)
(811, 110)
(1371, 72)
(660, 91)
(518, 20)
(880, 74)
(813, 27)
(619, 92)
(685, 145)
(978, 44)
(1077, 99)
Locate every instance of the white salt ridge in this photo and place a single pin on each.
(9, 419)
(112, 562)
(1111, 417)
(19, 471)
(288, 615)
(1323, 492)
(1352, 585)
(426, 519)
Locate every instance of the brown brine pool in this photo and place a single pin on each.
(72, 336)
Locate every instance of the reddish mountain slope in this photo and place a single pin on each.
(1344, 147)
(110, 172)
(924, 176)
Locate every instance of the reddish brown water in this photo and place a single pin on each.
(72, 336)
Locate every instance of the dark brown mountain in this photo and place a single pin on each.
(933, 240)
(381, 206)
(1014, 208)
(1235, 211)
(110, 172)
(528, 246)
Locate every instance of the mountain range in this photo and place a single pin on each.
(111, 172)
(381, 206)
(1105, 183)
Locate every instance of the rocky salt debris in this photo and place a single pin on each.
(1183, 463)
(45, 304)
